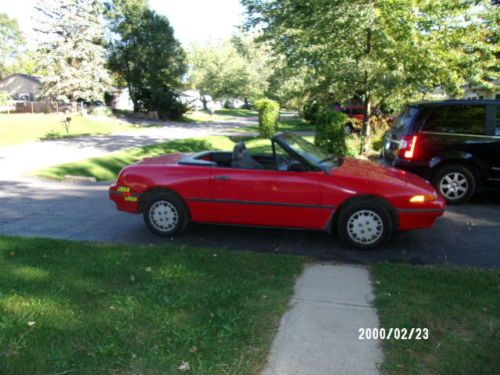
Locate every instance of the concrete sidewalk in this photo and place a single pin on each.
(319, 334)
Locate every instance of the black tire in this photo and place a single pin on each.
(455, 182)
(367, 216)
(165, 214)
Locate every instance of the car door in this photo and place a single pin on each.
(265, 197)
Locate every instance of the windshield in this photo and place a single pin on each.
(312, 153)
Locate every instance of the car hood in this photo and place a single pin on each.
(373, 171)
(164, 159)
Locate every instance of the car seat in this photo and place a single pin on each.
(242, 158)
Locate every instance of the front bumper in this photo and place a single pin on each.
(421, 217)
(125, 201)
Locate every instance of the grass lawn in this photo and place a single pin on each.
(461, 309)
(106, 168)
(203, 116)
(74, 307)
(236, 112)
(19, 128)
(295, 124)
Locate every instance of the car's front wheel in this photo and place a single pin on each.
(165, 214)
(365, 224)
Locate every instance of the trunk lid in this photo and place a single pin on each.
(164, 159)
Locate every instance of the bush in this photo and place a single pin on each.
(312, 110)
(269, 114)
(379, 126)
(4, 98)
(330, 132)
(353, 142)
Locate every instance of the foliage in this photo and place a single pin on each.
(385, 51)
(353, 144)
(71, 307)
(4, 98)
(11, 39)
(330, 132)
(72, 49)
(232, 69)
(379, 126)
(269, 114)
(27, 62)
(147, 57)
(312, 110)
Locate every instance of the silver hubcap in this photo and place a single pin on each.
(365, 227)
(163, 216)
(454, 185)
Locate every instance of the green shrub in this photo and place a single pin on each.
(330, 132)
(353, 143)
(4, 98)
(269, 114)
(379, 126)
(312, 110)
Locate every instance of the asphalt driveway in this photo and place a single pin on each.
(467, 235)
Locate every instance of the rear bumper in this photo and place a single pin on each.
(424, 217)
(128, 202)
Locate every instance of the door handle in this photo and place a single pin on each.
(222, 177)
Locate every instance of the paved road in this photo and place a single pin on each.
(465, 235)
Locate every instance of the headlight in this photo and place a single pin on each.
(422, 198)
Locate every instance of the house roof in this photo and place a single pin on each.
(27, 76)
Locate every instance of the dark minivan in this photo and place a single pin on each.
(455, 144)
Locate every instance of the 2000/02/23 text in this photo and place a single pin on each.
(393, 333)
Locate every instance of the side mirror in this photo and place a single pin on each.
(296, 166)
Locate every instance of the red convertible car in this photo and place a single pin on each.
(295, 186)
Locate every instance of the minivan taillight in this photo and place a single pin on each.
(407, 146)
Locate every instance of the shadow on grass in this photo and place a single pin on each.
(124, 309)
(54, 136)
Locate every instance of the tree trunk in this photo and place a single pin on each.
(246, 105)
(205, 102)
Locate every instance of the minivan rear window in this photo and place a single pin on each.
(457, 119)
(404, 121)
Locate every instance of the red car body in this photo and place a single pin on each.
(275, 198)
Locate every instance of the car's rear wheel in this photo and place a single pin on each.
(165, 214)
(455, 183)
(365, 224)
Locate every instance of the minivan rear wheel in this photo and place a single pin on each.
(456, 183)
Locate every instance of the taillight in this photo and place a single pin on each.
(407, 146)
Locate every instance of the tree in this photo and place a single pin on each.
(72, 49)
(146, 56)
(11, 40)
(237, 68)
(379, 50)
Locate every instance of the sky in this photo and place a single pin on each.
(194, 21)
